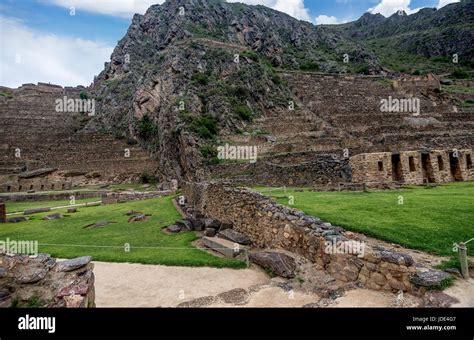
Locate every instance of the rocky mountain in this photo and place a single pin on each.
(435, 35)
(189, 71)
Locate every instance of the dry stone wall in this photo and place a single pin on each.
(270, 225)
(41, 281)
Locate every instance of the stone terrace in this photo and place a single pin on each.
(54, 140)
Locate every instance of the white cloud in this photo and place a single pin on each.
(388, 7)
(443, 3)
(126, 8)
(295, 8)
(327, 20)
(121, 8)
(30, 56)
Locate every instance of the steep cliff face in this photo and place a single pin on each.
(188, 72)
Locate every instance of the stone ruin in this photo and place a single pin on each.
(41, 281)
(268, 225)
(45, 150)
(413, 167)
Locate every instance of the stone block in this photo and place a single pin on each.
(222, 246)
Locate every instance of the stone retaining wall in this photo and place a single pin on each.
(270, 225)
(42, 282)
(120, 197)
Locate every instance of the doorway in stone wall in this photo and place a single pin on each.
(397, 172)
(427, 168)
(455, 167)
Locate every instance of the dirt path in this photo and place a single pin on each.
(137, 285)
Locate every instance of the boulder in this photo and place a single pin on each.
(17, 219)
(436, 299)
(280, 264)
(234, 236)
(212, 223)
(430, 278)
(32, 275)
(99, 224)
(184, 224)
(197, 223)
(210, 232)
(69, 265)
(72, 210)
(52, 217)
(174, 229)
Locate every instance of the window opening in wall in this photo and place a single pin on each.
(440, 163)
(468, 161)
(411, 161)
(380, 164)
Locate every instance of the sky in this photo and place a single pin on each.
(66, 42)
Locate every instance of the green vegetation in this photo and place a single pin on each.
(309, 66)
(209, 152)
(459, 74)
(67, 237)
(13, 207)
(468, 103)
(146, 178)
(430, 220)
(4, 94)
(200, 79)
(205, 127)
(83, 95)
(146, 128)
(457, 89)
(243, 112)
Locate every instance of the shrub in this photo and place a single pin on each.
(205, 127)
(309, 66)
(83, 95)
(244, 112)
(251, 55)
(200, 79)
(209, 152)
(459, 74)
(146, 127)
(146, 178)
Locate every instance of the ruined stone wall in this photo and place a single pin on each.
(270, 225)
(374, 167)
(42, 282)
(413, 167)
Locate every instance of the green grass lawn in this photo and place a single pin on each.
(67, 238)
(430, 219)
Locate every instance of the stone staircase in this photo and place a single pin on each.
(35, 136)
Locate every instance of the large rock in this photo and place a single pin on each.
(17, 219)
(278, 263)
(174, 229)
(197, 223)
(36, 210)
(397, 258)
(430, 278)
(53, 217)
(184, 224)
(69, 265)
(234, 236)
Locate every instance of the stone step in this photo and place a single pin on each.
(224, 247)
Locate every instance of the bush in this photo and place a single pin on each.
(83, 95)
(244, 112)
(209, 152)
(309, 66)
(459, 74)
(205, 127)
(251, 55)
(146, 127)
(146, 178)
(200, 79)
(363, 69)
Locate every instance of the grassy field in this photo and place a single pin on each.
(67, 238)
(429, 219)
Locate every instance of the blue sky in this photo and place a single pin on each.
(67, 41)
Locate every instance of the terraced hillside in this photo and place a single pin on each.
(43, 149)
(337, 116)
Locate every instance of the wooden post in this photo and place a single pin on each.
(3, 213)
(463, 258)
